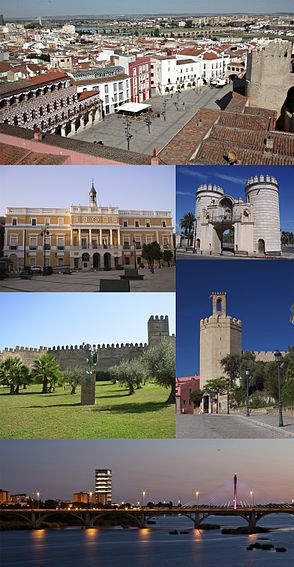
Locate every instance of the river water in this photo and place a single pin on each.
(152, 547)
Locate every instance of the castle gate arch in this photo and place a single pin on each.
(261, 246)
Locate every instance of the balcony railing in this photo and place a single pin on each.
(13, 247)
(60, 247)
(33, 247)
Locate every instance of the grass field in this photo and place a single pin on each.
(60, 415)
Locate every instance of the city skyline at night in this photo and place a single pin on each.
(166, 470)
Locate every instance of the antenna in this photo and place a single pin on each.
(235, 492)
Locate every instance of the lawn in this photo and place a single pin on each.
(60, 415)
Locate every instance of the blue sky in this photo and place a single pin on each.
(259, 293)
(148, 188)
(51, 319)
(233, 180)
(165, 469)
(18, 8)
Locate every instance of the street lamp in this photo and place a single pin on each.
(143, 496)
(38, 497)
(197, 496)
(278, 358)
(44, 233)
(252, 498)
(247, 373)
(135, 256)
(90, 499)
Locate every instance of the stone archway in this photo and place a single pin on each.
(261, 246)
(96, 261)
(107, 261)
(198, 244)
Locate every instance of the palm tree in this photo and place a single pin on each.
(47, 372)
(13, 373)
(187, 223)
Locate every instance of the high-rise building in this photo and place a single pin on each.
(103, 486)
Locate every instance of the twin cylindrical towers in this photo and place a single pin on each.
(254, 222)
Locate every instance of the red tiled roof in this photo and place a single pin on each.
(87, 94)
(52, 75)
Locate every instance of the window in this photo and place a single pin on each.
(61, 220)
(47, 220)
(120, 86)
(13, 242)
(106, 89)
(137, 223)
(105, 220)
(147, 223)
(33, 242)
(125, 223)
(164, 224)
(84, 219)
(60, 262)
(60, 242)
(33, 262)
(115, 87)
(127, 261)
(165, 242)
(148, 239)
(106, 99)
(14, 222)
(34, 222)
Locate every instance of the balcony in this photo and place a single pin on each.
(47, 247)
(13, 247)
(33, 247)
(60, 247)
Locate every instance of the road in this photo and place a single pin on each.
(207, 426)
(112, 130)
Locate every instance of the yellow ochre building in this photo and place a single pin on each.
(83, 237)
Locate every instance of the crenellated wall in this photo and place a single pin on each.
(73, 356)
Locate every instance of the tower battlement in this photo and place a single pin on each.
(262, 179)
(210, 187)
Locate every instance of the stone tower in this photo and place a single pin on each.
(220, 335)
(93, 196)
(268, 76)
(158, 329)
(206, 195)
(262, 192)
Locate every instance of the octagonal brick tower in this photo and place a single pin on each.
(262, 192)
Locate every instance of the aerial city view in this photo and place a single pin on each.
(146, 312)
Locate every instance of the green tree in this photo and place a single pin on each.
(73, 377)
(47, 372)
(187, 224)
(13, 373)
(216, 387)
(156, 33)
(151, 252)
(129, 373)
(196, 397)
(167, 256)
(231, 366)
(160, 362)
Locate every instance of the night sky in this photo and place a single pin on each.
(259, 293)
(165, 469)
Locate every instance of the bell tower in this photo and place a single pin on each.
(93, 196)
(220, 335)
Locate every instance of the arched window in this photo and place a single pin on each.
(219, 305)
(25, 117)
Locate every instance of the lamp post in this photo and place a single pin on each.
(197, 497)
(143, 496)
(135, 256)
(252, 498)
(44, 232)
(90, 499)
(278, 358)
(247, 373)
(38, 497)
(128, 134)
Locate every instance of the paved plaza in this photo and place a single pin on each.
(179, 110)
(183, 254)
(207, 426)
(163, 279)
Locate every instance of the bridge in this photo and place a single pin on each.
(139, 516)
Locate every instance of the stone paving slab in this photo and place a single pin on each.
(112, 130)
(162, 280)
(222, 426)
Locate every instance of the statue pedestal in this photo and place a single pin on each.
(88, 390)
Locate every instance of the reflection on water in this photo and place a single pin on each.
(148, 547)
